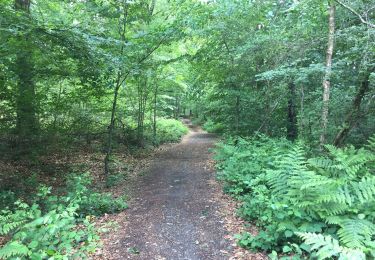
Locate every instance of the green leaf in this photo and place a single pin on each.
(286, 249)
(288, 233)
(50, 252)
(33, 244)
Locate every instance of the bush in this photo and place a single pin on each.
(327, 201)
(56, 227)
(7, 198)
(169, 130)
(56, 234)
(213, 127)
(91, 202)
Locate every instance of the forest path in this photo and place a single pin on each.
(173, 214)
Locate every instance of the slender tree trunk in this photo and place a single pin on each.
(142, 103)
(154, 119)
(354, 113)
(23, 5)
(115, 94)
(292, 132)
(302, 112)
(237, 116)
(328, 71)
(111, 126)
(175, 109)
(57, 108)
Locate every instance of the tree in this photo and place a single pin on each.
(27, 123)
(327, 73)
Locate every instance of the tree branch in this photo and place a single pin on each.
(356, 13)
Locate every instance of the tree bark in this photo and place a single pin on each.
(27, 124)
(327, 75)
(142, 103)
(302, 113)
(111, 126)
(119, 81)
(356, 13)
(23, 5)
(353, 115)
(238, 111)
(292, 131)
(154, 116)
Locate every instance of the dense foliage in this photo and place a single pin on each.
(69, 80)
(300, 74)
(260, 67)
(327, 200)
(58, 227)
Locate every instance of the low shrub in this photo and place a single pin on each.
(115, 179)
(319, 206)
(7, 198)
(213, 127)
(56, 227)
(91, 202)
(169, 130)
(55, 234)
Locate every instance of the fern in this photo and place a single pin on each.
(355, 232)
(13, 249)
(326, 247)
(289, 193)
(364, 189)
(371, 143)
(10, 221)
(6, 228)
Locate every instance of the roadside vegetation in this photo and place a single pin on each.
(290, 87)
(303, 204)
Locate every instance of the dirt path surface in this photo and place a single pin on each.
(173, 215)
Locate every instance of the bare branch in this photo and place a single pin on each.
(356, 13)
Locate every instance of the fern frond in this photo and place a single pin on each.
(355, 232)
(351, 254)
(327, 247)
(13, 249)
(364, 189)
(371, 143)
(7, 227)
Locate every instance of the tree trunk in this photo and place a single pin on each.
(115, 94)
(327, 75)
(237, 116)
(142, 103)
(111, 126)
(27, 124)
(23, 5)
(302, 113)
(352, 117)
(292, 132)
(154, 119)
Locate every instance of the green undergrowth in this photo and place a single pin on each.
(213, 127)
(48, 226)
(306, 206)
(169, 130)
